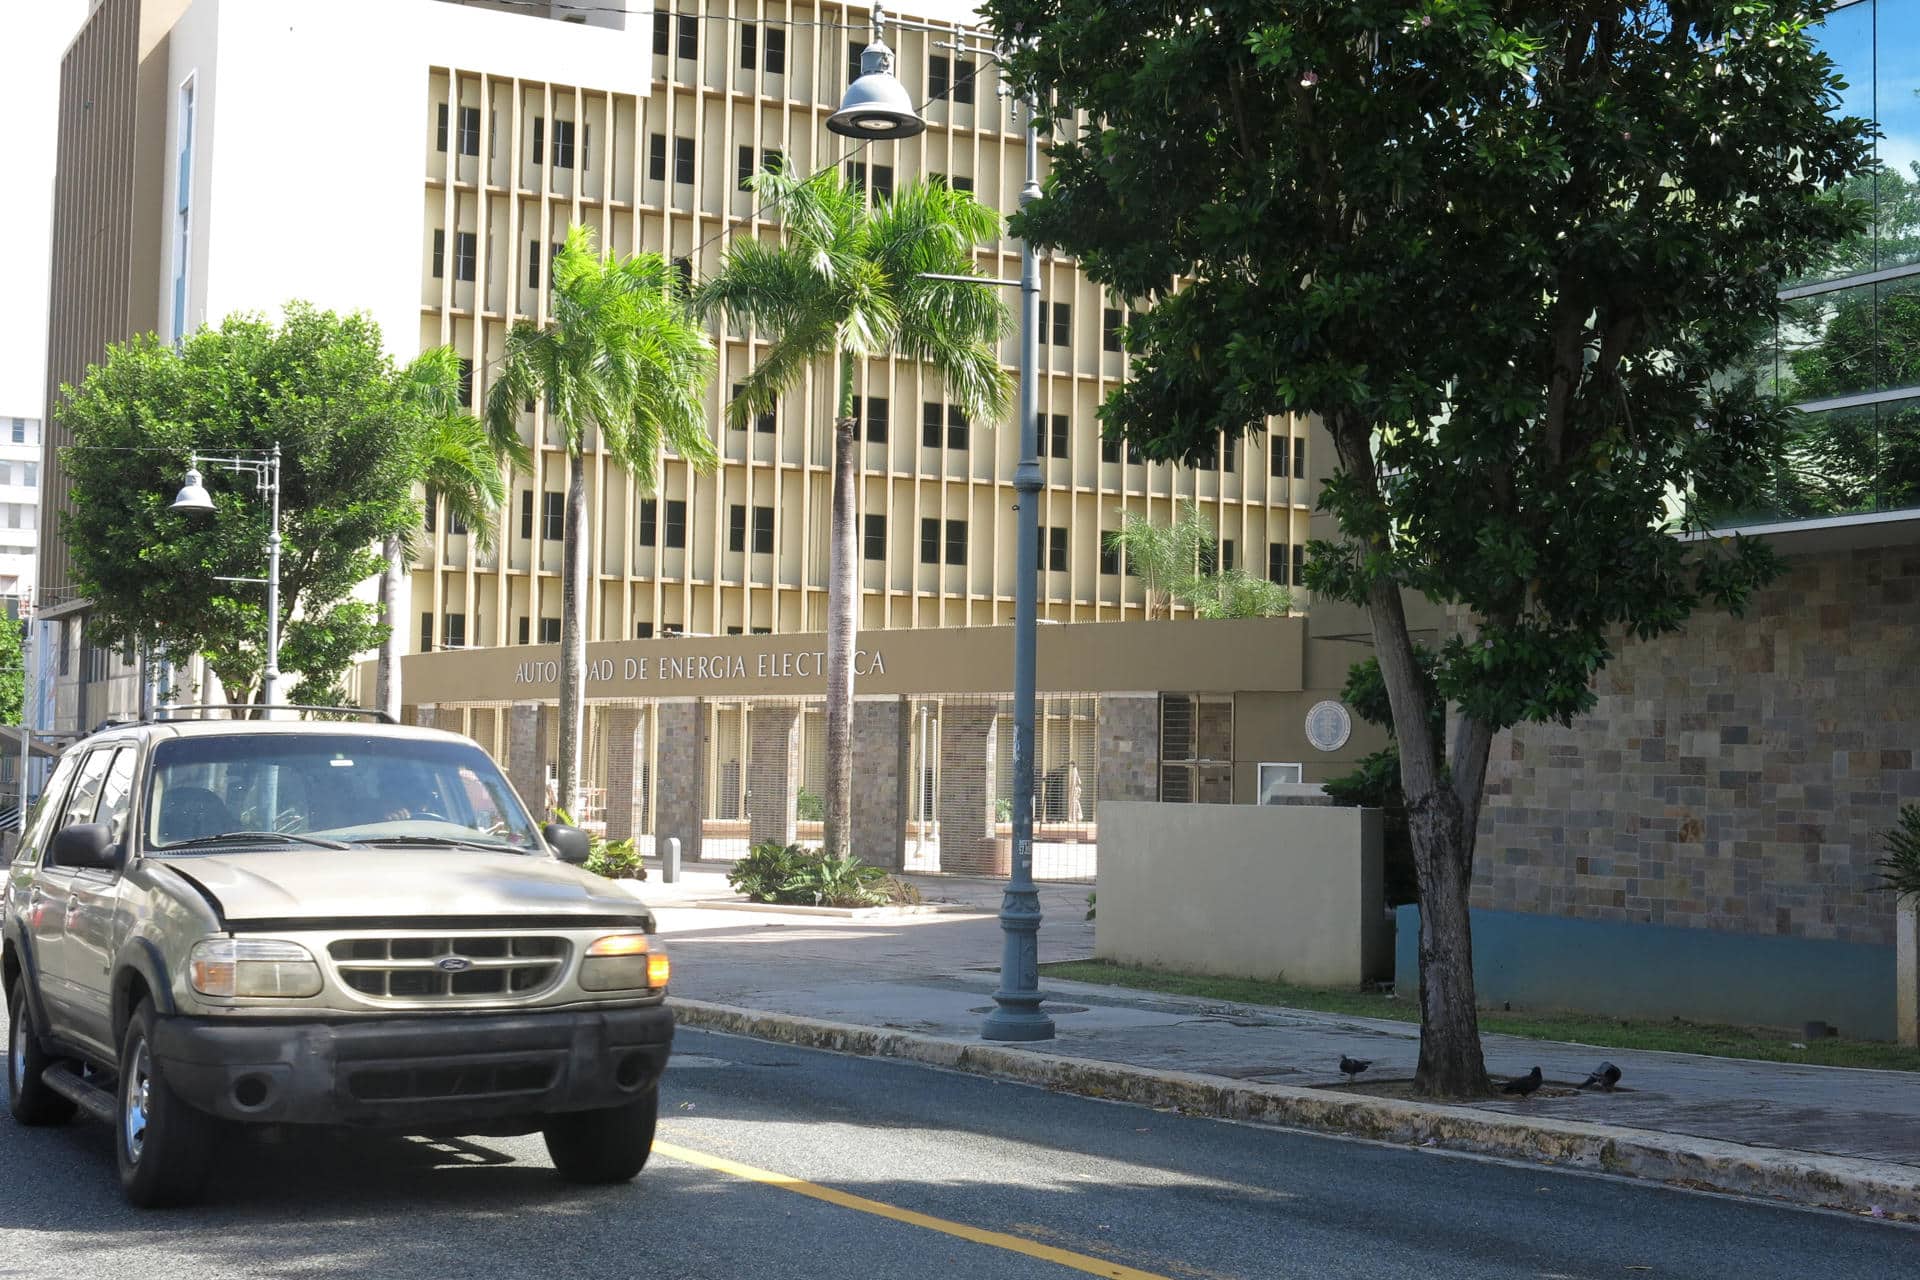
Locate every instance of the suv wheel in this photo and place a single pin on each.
(163, 1146)
(28, 1097)
(604, 1146)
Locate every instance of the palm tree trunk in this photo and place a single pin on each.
(843, 603)
(573, 638)
(386, 684)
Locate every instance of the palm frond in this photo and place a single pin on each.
(461, 468)
(1900, 869)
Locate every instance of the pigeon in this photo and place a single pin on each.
(1351, 1067)
(1606, 1075)
(1523, 1085)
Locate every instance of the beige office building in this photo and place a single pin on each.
(421, 159)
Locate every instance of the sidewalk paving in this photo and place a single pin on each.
(935, 974)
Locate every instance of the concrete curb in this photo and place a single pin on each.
(1798, 1177)
(845, 913)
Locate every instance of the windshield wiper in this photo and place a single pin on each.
(444, 842)
(252, 837)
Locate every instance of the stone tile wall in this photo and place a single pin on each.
(626, 729)
(1737, 776)
(1129, 747)
(968, 747)
(773, 771)
(880, 768)
(527, 734)
(680, 794)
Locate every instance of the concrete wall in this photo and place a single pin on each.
(1660, 971)
(1243, 891)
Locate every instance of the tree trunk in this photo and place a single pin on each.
(573, 637)
(386, 683)
(842, 609)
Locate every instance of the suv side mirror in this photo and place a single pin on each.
(570, 844)
(87, 844)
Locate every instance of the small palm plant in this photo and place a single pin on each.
(1900, 869)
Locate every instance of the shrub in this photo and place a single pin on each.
(834, 882)
(767, 867)
(614, 859)
(900, 892)
(809, 807)
(1900, 869)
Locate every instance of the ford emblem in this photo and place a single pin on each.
(454, 964)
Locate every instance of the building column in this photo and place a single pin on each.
(1127, 746)
(1906, 951)
(773, 772)
(680, 792)
(880, 761)
(626, 771)
(968, 746)
(527, 754)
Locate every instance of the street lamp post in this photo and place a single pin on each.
(266, 475)
(1017, 1016)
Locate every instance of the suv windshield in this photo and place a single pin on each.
(339, 787)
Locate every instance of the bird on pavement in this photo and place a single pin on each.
(1523, 1085)
(1351, 1067)
(1606, 1075)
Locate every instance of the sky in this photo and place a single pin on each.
(33, 35)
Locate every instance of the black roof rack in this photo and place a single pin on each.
(368, 712)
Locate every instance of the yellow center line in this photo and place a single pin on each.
(992, 1239)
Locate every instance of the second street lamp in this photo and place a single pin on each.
(193, 496)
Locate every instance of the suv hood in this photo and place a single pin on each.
(392, 884)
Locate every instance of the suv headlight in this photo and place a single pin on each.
(231, 967)
(623, 962)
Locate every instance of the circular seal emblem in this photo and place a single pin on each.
(1329, 725)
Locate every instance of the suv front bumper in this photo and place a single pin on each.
(416, 1073)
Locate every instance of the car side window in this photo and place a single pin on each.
(50, 805)
(116, 793)
(86, 787)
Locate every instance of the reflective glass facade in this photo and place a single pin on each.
(1848, 347)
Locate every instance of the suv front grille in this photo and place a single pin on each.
(429, 968)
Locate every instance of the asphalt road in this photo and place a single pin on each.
(795, 1164)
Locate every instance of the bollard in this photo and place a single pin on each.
(670, 861)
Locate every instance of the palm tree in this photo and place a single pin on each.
(454, 460)
(1165, 556)
(850, 283)
(622, 356)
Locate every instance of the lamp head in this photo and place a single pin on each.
(193, 495)
(876, 106)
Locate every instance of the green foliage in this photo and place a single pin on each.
(1900, 869)
(1605, 200)
(614, 859)
(1175, 562)
(13, 671)
(1092, 906)
(320, 386)
(808, 807)
(795, 875)
(1002, 809)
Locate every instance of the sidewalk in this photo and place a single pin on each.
(934, 975)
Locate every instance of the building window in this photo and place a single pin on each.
(963, 72)
(526, 513)
(957, 427)
(853, 60)
(1062, 324)
(469, 131)
(1056, 550)
(430, 516)
(1277, 457)
(763, 423)
(526, 631)
(662, 33)
(1299, 562)
(643, 631)
(33, 475)
(772, 159)
(1229, 451)
(657, 157)
(776, 51)
(931, 420)
(649, 521)
(19, 430)
(929, 540)
(439, 253)
(1109, 557)
(1226, 555)
(857, 174)
(466, 381)
(676, 524)
(455, 631)
(939, 76)
(549, 631)
(466, 250)
(553, 516)
(736, 528)
(683, 161)
(440, 128)
(563, 144)
(876, 416)
(1110, 329)
(426, 633)
(763, 531)
(689, 35)
(744, 166)
(1054, 433)
(684, 267)
(883, 182)
(1277, 562)
(962, 184)
(874, 539)
(749, 45)
(956, 542)
(1299, 457)
(455, 525)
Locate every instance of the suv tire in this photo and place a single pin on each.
(28, 1097)
(163, 1146)
(610, 1145)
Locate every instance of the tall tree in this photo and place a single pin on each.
(320, 386)
(457, 465)
(623, 359)
(13, 670)
(1505, 250)
(850, 283)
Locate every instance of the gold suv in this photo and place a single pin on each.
(320, 923)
